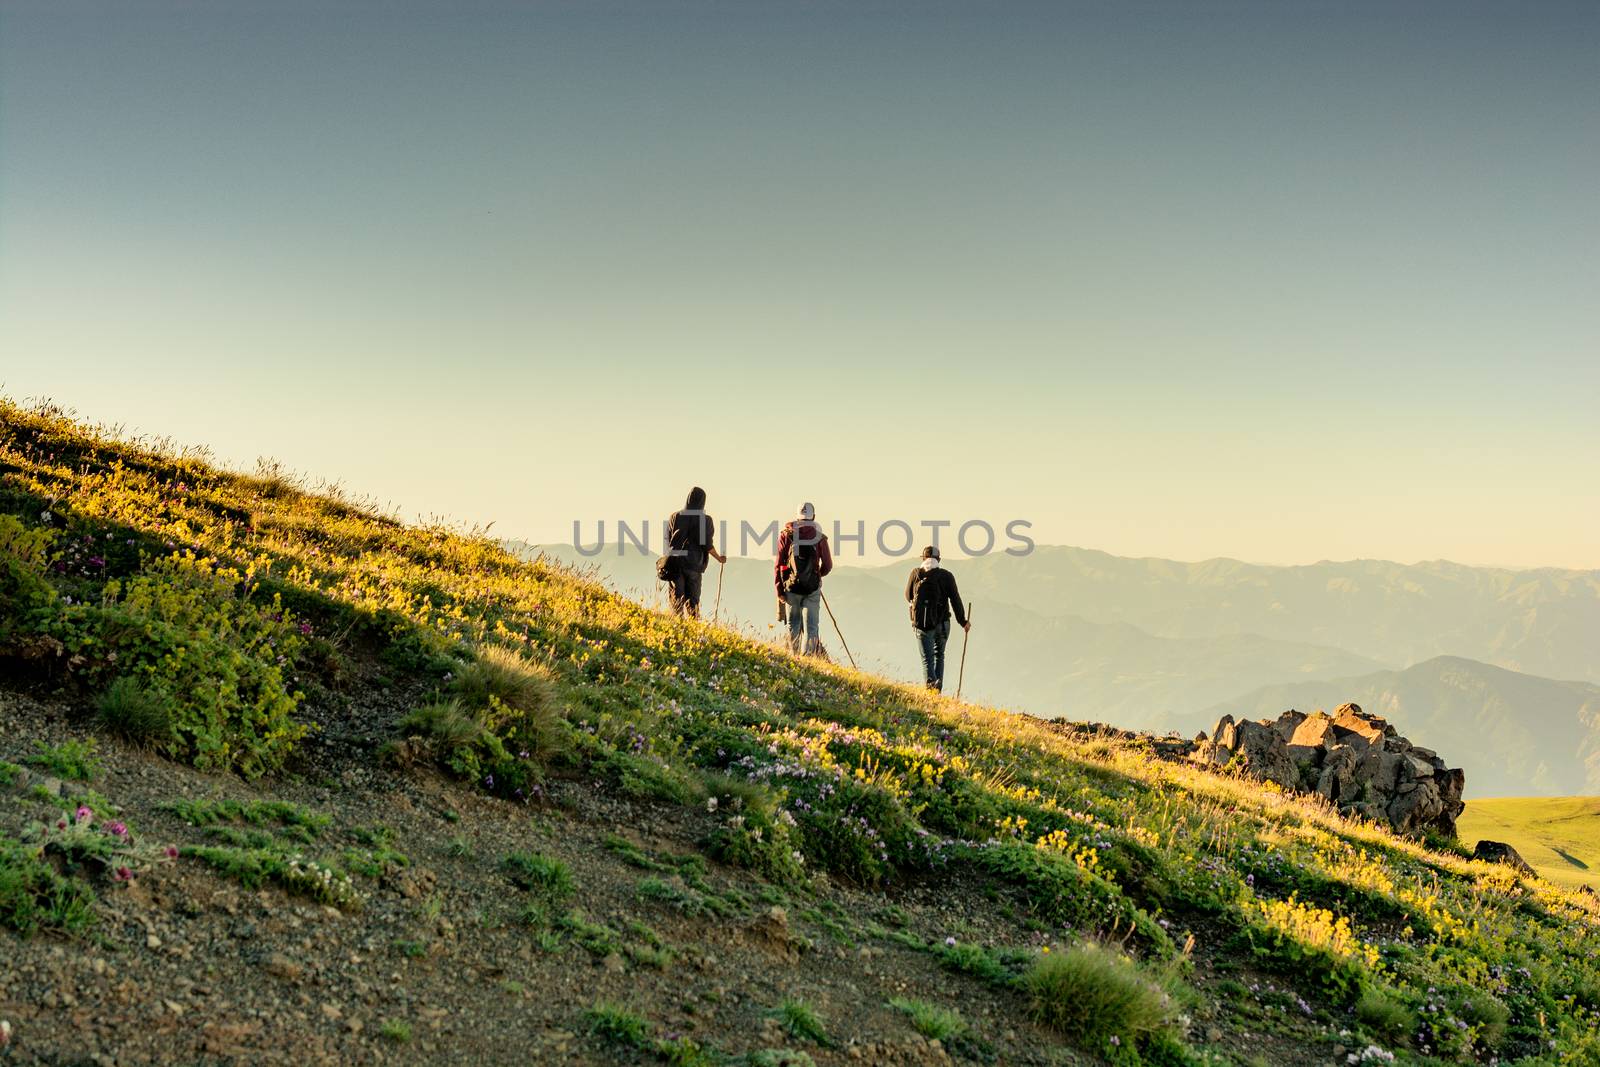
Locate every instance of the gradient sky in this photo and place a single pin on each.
(1277, 281)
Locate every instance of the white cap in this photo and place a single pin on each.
(806, 511)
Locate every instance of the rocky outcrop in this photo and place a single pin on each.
(1500, 852)
(1355, 760)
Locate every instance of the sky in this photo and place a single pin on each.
(1278, 281)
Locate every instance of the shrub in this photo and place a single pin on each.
(464, 743)
(25, 596)
(1091, 995)
(137, 715)
(187, 630)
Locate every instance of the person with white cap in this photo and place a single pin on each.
(803, 561)
(932, 593)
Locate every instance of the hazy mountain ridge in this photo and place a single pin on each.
(1544, 621)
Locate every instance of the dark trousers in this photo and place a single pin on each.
(931, 643)
(684, 592)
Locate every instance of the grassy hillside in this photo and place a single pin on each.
(1513, 733)
(289, 780)
(1558, 836)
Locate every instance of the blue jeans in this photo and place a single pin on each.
(931, 643)
(811, 606)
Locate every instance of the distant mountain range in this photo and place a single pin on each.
(1446, 651)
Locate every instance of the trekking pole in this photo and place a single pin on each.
(716, 612)
(837, 630)
(965, 633)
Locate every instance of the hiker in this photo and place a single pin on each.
(931, 591)
(803, 561)
(689, 552)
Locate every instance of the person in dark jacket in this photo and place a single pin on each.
(804, 559)
(931, 591)
(690, 534)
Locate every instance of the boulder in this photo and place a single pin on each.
(1500, 852)
(1337, 780)
(1288, 723)
(1315, 729)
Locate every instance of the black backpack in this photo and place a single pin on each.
(802, 578)
(666, 567)
(927, 604)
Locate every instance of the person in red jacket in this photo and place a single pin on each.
(803, 561)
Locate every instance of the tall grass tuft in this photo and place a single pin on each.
(138, 715)
(445, 725)
(1091, 994)
(518, 699)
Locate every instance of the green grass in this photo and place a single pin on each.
(802, 1020)
(73, 760)
(546, 879)
(617, 1024)
(930, 1020)
(397, 1031)
(1558, 836)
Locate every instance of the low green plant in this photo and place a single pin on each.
(802, 1020)
(685, 1052)
(396, 1030)
(34, 897)
(597, 939)
(9, 772)
(73, 760)
(986, 965)
(780, 1057)
(295, 874)
(307, 823)
(930, 1020)
(1093, 994)
(373, 863)
(691, 902)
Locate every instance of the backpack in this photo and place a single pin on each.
(802, 578)
(666, 567)
(927, 605)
